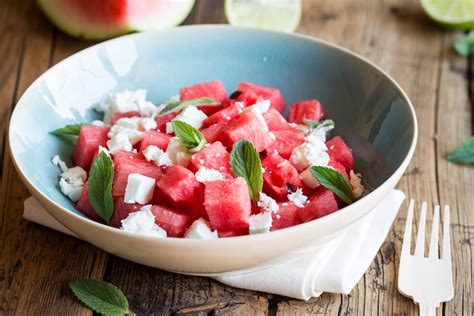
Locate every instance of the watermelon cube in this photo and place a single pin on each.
(310, 109)
(175, 223)
(339, 167)
(117, 116)
(161, 121)
(215, 157)
(286, 216)
(182, 190)
(126, 163)
(321, 203)
(213, 132)
(275, 121)
(227, 203)
(266, 93)
(213, 89)
(248, 127)
(280, 177)
(247, 97)
(225, 115)
(339, 151)
(121, 211)
(85, 207)
(89, 140)
(154, 138)
(286, 141)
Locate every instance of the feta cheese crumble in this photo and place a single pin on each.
(57, 161)
(309, 180)
(260, 223)
(139, 189)
(208, 175)
(321, 132)
(267, 203)
(313, 152)
(258, 109)
(143, 222)
(200, 230)
(158, 156)
(126, 101)
(128, 131)
(177, 152)
(356, 184)
(298, 198)
(190, 115)
(71, 181)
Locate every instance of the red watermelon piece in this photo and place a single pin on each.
(89, 140)
(213, 89)
(225, 115)
(275, 121)
(161, 121)
(248, 127)
(321, 203)
(117, 116)
(154, 138)
(182, 190)
(279, 176)
(215, 157)
(339, 151)
(85, 207)
(213, 132)
(309, 109)
(175, 223)
(286, 141)
(227, 203)
(266, 93)
(121, 211)
(247, 97)
(339, 167)
(286, 216)
(126, 163)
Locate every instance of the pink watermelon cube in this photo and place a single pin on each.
(266, 93)
(85, 207)
(89, 140)
(154, 138)
(248, 127)
(339, 167)
(275, 121)
(121, 211)
(279, 177)
(339, 151)
(309, 109)
(213, 132)
(247, 97)
(179, 186)
(126, 163)
(321, 203)
(227, 203)
(175, 223)
(213, 89)
(286, 216)
(161, 121)
(117, 116)
(286, 141)
(227, 114)
(215, 157)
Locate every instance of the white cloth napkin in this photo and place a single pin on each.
(336, 267)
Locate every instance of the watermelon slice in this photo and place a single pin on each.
(161, 121)
(275, 121)
(266, 93)
(279, 177)
(339, 151)
(213, 132)
(215, 157)
(286, 141)
(225, 115)
(85, 207)
(121, 211)
(321, 203)
(213, 89)
(309, 109)
(154, 138)
(286, 216)
(174, 222)
(227, 203)
(102, 19)
(89, 140)
(117, 116)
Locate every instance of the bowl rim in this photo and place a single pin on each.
(236, 239)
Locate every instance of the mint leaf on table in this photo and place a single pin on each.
(245, 162)
(464, 153)
(335, 181)
(101, 177)
(464, 46)
(189, 136)
(179, 105)
(329, 124)
(71, 129)
(100, 296)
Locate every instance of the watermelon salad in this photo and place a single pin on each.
(206, 164)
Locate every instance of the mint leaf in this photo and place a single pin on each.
(71, 129)
(464, 153)
(328, 124)
(100, 296)
(335, 181)
(245, 162)
(190, 137)
(101, 177)
(179, 105)
(464, 46)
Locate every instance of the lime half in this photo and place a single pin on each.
(279, 15)
(458, 14)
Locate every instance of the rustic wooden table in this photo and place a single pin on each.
(37, 263)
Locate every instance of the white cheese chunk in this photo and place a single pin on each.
(139, 189)
(208, 175)
(143, 223)
(309, 180)
(200, 230)
(267, 203)
(57, 161)
(260, 223)
(128, 131)
(177, 152)
(192, 116)
(258, 109)
(298, 198)
(158, 156)
(356, 184)
(321, 132)
(122, 102)
(72, 182)
(313, 152)
(119, 142)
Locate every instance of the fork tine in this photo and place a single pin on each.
(433, 252)
(446, 240)
(420, 237)
(407, 235)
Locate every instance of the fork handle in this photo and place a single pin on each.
(427, 309)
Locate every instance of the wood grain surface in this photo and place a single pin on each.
(36, 263)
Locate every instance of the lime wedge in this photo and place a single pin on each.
(458, 14)
(278, 15)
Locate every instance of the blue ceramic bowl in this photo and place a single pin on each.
(371, 112)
